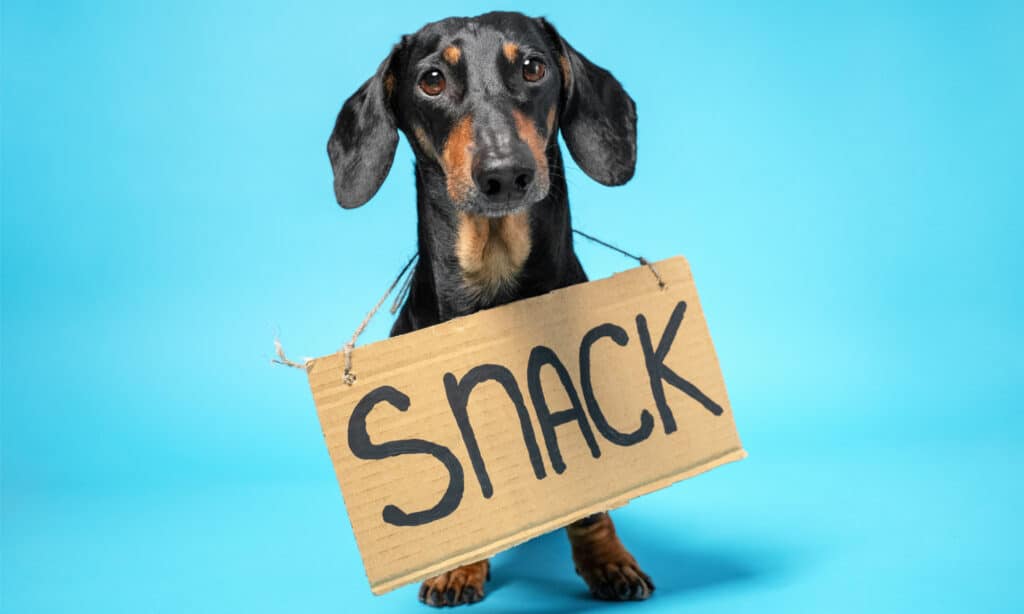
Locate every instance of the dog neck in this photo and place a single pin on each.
(467, 263)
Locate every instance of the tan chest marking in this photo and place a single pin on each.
(492, 251)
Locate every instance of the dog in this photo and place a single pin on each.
(481, 101)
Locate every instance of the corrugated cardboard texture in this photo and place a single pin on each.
(521, 506)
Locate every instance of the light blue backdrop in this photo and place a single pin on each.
(845, 178)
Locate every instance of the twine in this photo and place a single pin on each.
(643, 261)
(402, 294)
(349, 376)
(283, 360)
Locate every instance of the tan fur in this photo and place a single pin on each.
(492, 251)
(424, 141)
(605, 564)
(452, 55)
(551, 120)
(459, 586)
(456, 160)
(527, 131)
(563, 64)
(511, 50)
(389, 84)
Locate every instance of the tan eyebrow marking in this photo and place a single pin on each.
(511, 50)
(452, 54)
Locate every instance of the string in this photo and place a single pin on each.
(349, 376)
(643, 261)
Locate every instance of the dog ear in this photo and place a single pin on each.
(598, 117)
(362, 145)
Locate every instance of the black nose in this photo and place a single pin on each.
(503, 179)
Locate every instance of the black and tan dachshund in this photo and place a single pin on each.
(481, 101)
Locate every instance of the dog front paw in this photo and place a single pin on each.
(609, 570)
(463, 585)
(618, 581)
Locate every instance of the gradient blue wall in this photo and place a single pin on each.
(845, 178)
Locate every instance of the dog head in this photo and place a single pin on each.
(481, 100)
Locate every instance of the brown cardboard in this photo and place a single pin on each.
(520, 505)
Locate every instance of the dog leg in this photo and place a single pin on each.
(461, 585)
(603, 562)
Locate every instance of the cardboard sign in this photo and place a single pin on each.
(464, 439)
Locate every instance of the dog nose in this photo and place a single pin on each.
(502, 179)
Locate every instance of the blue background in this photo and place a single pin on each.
(845, 178)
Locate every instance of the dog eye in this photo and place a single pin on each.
(533, 69)
(432, 82)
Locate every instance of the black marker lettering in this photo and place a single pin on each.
(458, 398)
(361, 446)
(659, 373)
(539, 357)
(619, 336)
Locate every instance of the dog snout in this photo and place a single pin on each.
(503, 178)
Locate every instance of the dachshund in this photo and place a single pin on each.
(481, 101)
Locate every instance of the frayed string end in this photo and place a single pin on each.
(282, 359)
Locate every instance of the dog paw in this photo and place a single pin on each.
(609, 570)
(463, 585)
(620, 581)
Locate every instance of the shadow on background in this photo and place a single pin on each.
(539, 575)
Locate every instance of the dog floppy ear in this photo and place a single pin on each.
(598, 117)
(362, 145)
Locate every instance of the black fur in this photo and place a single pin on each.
(362, 145)
(596, 116)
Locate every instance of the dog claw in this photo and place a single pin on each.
(615, 583)
(457, 587)
(622, 590)
(609, 570)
